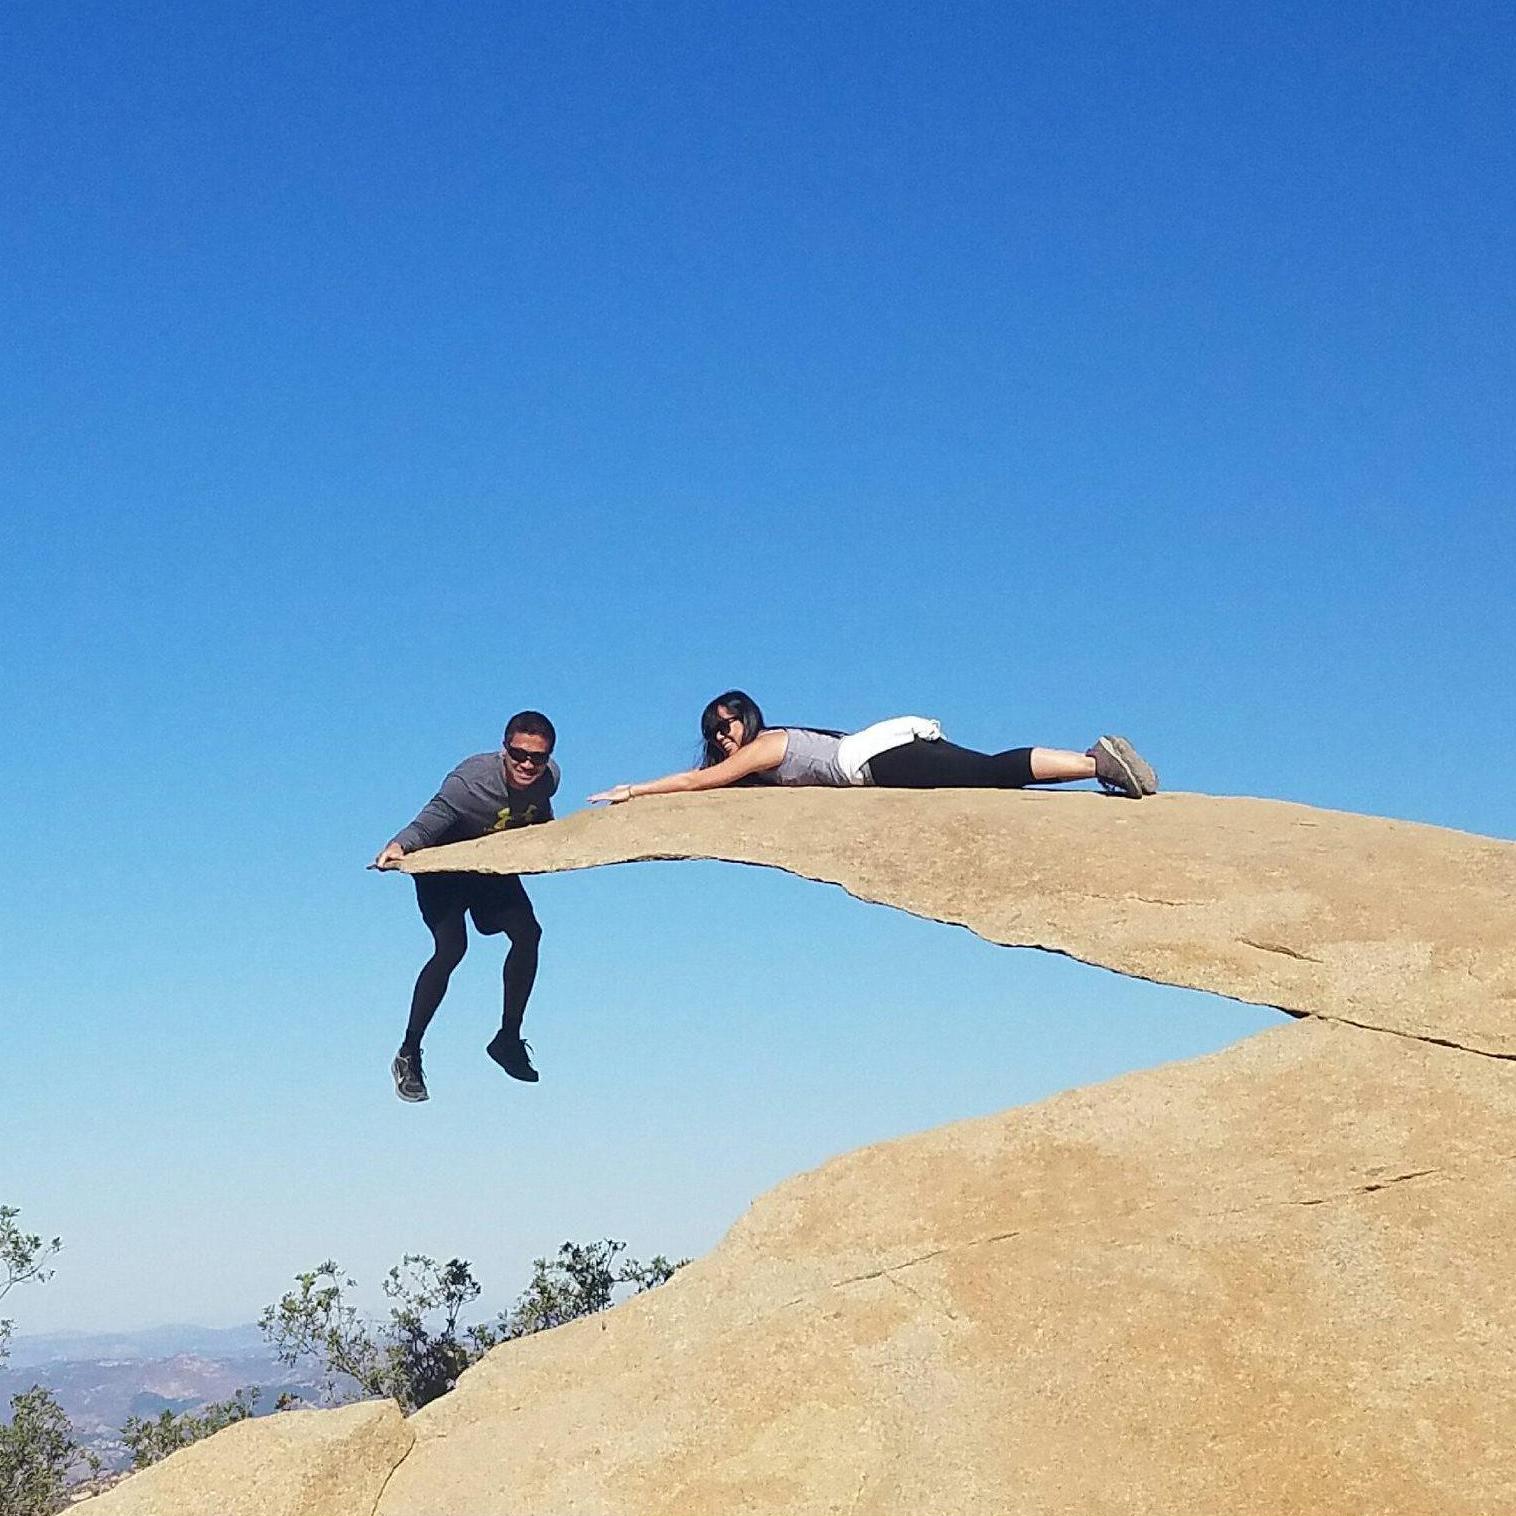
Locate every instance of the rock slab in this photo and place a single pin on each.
(298, 1463)
(1380, 923)
(1275, 1280)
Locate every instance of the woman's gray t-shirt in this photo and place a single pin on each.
(809, 758)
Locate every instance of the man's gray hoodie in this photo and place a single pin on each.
(475, 800)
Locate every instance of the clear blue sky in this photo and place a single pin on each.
(372, 370)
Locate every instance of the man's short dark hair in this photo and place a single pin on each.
(535, 724)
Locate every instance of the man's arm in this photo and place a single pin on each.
(433, 820)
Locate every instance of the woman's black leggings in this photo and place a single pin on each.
(922, 765)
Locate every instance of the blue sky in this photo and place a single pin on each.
(375, 370)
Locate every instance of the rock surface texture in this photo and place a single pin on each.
(302, 1463)
(1270, 1281)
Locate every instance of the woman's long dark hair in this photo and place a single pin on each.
(739, 704)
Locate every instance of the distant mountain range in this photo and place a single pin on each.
(153, 1342)
(101, 1378)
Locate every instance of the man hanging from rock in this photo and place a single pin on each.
(490, 792)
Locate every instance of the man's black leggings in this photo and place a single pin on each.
(923, 765)
(498, 903)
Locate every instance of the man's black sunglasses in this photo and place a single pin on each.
(526, 755)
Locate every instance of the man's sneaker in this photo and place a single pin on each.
(510, 1052)
(1122, 769)
(410, 1084)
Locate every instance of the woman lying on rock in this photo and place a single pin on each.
(907, 753)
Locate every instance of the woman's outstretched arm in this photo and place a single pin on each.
(764, 752)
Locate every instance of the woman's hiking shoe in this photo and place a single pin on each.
(409, 1082)
(1122, 770)
(510, 1052)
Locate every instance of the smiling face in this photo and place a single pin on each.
(728, 731)
(525, 757)
(730, 721)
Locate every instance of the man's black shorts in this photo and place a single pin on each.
(495, 901)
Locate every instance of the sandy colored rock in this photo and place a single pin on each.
(300, 1463)
(1380, 923)
(1271, 1282)
(1275, 1280)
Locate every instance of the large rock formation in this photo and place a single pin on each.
(1273, 1280)
(1322, 913)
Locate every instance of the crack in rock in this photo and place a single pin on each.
(900, 1284)
(1280, 948)
(1369, 1189)
(379, 1498)
(910, 1263)
(1390, 1031)
(889, 1272)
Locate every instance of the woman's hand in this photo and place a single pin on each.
(618, 794)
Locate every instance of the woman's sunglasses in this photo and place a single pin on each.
(526, 755)
(720, 727)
